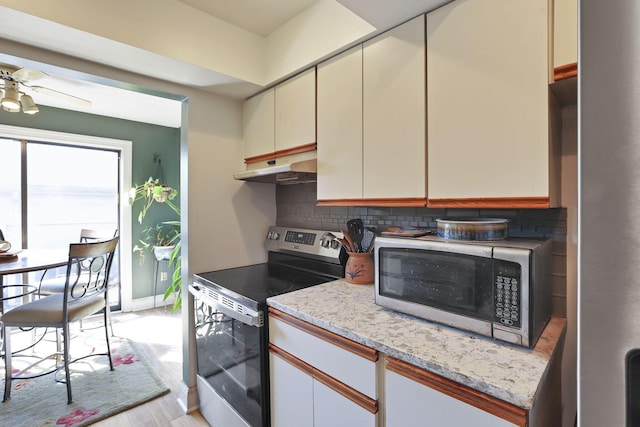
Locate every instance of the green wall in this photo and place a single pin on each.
(147, 141)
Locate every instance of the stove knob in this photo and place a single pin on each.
(335, 244)
(324, 243)
(275, 235)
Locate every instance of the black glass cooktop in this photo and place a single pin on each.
(258, 282)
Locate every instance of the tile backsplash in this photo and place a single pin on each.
(296, 207)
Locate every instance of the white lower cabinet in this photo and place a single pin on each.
(291, 395)
(299, 400)
(319, 379)
(407, 401)
(331, 409)
(411, 394)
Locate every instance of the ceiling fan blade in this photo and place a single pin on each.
(28, 75)
(61, 95)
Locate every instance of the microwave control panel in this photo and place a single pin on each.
(507, 293)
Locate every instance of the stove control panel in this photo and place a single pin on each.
(320, 243)
(300, 237)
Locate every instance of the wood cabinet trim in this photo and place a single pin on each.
(566, 71)
(490, 404)
(353, 395)
(312, 146)
(492, 202)
(344, 343)
(401, 202)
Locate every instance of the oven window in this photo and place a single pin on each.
(229, 360)
(456, 283)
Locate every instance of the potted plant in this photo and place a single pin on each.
(162, 239)
(152, 190)
(159, 239)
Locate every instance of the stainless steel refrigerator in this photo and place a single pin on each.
(609, 209)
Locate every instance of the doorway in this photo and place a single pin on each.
(55, 185)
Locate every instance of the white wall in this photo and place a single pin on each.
(169, 28)
(318, 32)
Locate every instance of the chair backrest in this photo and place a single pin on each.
(93, 278)
(87, 235)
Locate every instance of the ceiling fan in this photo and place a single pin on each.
(16, 89)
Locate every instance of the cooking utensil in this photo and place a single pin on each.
(473, 228)
(346, 244)
(356, 230)
(367, 240)
(351, 246)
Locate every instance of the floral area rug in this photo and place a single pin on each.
(97, 392)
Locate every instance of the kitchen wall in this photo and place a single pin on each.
(296, 207)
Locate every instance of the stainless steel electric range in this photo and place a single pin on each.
(231, 330)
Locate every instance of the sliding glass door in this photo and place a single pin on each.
(52, 191)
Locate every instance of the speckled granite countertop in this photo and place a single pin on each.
(504, 371)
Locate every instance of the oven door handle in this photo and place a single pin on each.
(227, 306)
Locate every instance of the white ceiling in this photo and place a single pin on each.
(259, 17)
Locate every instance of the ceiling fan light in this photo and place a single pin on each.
(11, 109)
(11, 99)
(28, 106)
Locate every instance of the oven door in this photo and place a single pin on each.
(231, 366)
(442, 282)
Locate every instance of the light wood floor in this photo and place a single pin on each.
(158, 336)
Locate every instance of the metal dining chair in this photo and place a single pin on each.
(56, 285)
(86, 292)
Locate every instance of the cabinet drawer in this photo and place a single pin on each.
(351, 363)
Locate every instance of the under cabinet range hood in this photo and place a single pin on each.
(296, 172)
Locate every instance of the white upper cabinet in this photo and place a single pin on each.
(490, 141)
(258, 125)
(565, 32)
(371, 122)
(295, 118)
(281, 120)
(340, 126)
(394, 154)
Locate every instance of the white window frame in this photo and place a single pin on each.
(125, 148)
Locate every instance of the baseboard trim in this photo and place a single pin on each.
(146, 303)
(188, 398)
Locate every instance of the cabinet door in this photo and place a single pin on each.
(488, 101)
(257, 124)
(408, 401)
(291, 395)
(340, 126)
(295, 118)
(331, 409)
(394, 156)
(565, 32)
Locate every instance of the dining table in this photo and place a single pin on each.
(26, 261)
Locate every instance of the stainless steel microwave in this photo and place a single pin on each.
(500, 289)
